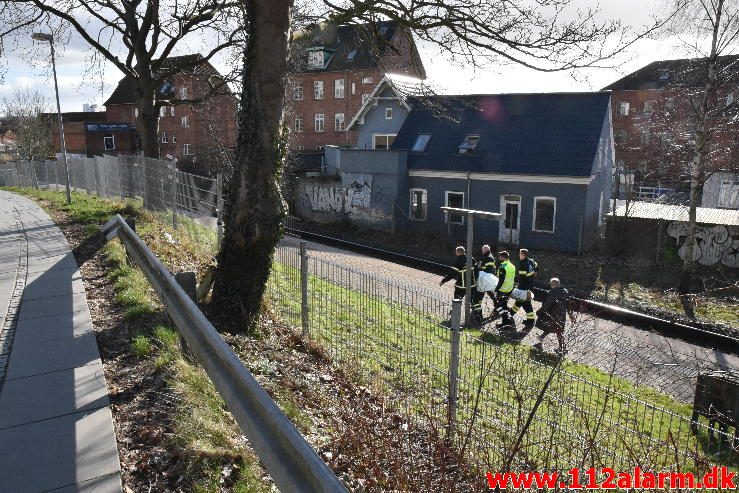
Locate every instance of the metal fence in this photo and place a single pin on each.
(507, 402)
(184, 197)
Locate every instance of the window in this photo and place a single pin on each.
(135, 112)
(729, 195)
(162, 111)
(621, 136)
(299, 123)
(300, 148)
(320, 148)
(318, 122)
(164, 138)
(419, 203)
(171, 111)
(469, 144)
(109, 142)
(315, 58)
(421, 142)
(339, 122)
(298, 92)
(186, 149)
(183, 92)
(729, 98)
(670, 104)
(365, 97)
(366, 80)
(382, 141)
(354, 88)
(339, 88)
(623, 108)
(648, 107)
(185, 122)
(456, 200)
(174, 137)
(388, 113)
(545, 208)
(318, 89)
(646, 137)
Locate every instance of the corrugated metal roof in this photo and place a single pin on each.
(653, 210)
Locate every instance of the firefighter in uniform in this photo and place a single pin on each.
(459, 273)
(506, 282)
(487, 264)
(528, 269)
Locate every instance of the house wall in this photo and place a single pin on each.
(376, 123)
(599, 190)
(712, 188)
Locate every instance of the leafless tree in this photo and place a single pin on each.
(24, 113)
(550, 35)
(139, 38)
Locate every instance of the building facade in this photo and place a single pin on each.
(337, 69)
(654, 125)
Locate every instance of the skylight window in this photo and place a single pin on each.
(351, 55)
(421, 142)
(316, 59)
(469, 144)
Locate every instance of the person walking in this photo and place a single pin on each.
(506, 282)
(552, 316)
(528, 269)
(459, 272)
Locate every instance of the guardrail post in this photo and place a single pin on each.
(131, 221)
(174, 196)
(304, 289)
(219, 206)
(454, 369)
(189, 284)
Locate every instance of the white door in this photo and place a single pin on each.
(510, 223)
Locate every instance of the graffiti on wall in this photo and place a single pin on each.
(712, 244)
(331, 198)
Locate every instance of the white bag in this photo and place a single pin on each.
(521, 294)
(486, 282)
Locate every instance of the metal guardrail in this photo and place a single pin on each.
(292, 463)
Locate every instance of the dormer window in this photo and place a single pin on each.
(421, 142)
(469, 145)
(315, 59)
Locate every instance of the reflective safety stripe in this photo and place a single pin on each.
(510, 274)
(530, 316)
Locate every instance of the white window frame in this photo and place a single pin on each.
(171, 111)
(624, 108)
(298, 93)
(554, 215)
(183, 92)
(721, 195)
(186, 149)
(318, 93)
(316, 58)
(388, 113)
(649, 103)
(185, 122)
(162, 111)
(354, 88)
(319, 117)
(339, 89)
(339, 123)
(300, 148)
(105, 142)
(299, 124)
(366, 80)
(164, 138)
(374, 137)
(174, 137)
(424, 202)
(448, 216)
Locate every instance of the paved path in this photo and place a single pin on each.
(667, 364)
(56, 428)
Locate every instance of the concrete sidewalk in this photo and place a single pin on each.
(56, 428)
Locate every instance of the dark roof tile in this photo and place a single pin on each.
(665, 74)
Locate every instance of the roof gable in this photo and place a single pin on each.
(545, 134)
(665, 74)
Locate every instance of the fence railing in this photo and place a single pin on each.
(290, 460)
(405, 342)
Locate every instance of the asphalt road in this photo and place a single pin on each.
(667, 364)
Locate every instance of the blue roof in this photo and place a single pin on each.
(544, 134)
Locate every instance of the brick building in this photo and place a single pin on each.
(88, 134)
(202, 120)
(338, 68)
(654, 122)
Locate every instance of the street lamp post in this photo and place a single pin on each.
(50, 39)
(469, 215)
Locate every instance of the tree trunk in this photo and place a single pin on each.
(254, 207)
(148, 122)
(697, 168)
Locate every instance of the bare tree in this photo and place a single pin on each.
(24, 113)
(710, 28)
(138, 38)
(549, 36)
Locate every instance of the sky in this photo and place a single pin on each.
(76, 87)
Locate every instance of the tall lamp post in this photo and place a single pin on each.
(50, 39)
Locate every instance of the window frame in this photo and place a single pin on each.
(554, 214)
(298, 92)
(185, 121)
(171, 111)
(105, 142)
(388, 113)
(336, 121)
(339, 89)
(164, 139)
(299, 128)
(322, 120)
(649, 103)
(374, 142)
(366, 80)
(732, 183)
(448, 216)
(316, 58)
(162, 111)
(621, 106)
(425, 144)
(622, 131)
(183, 92)
(174, 137)
(318, 90)
(424, 203)
(186, 150)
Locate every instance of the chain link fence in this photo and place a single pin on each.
(509, 403)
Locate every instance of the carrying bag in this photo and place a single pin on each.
(521, 295)
(486, 282)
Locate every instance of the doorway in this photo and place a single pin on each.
(510, 226)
